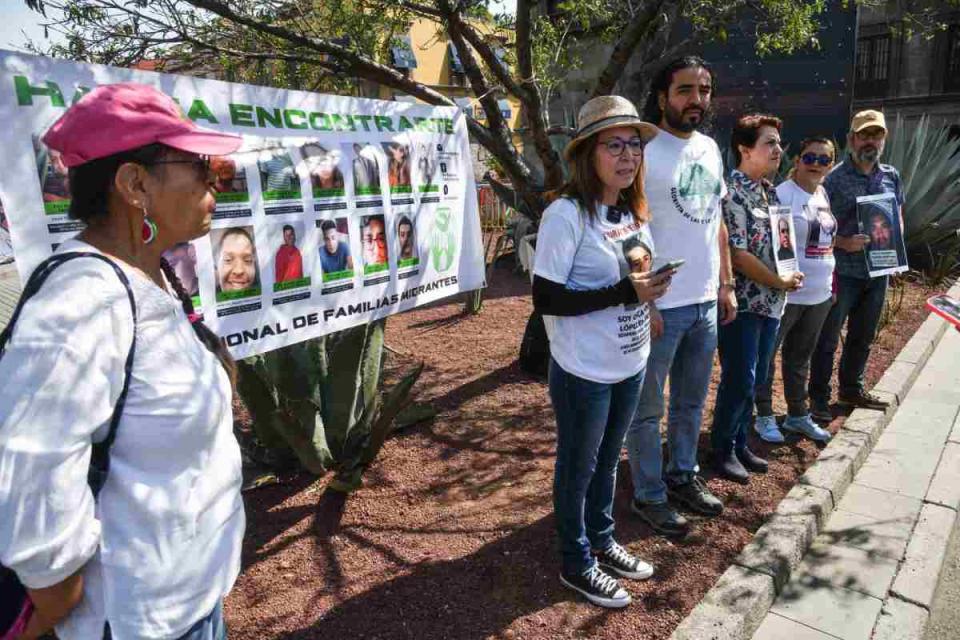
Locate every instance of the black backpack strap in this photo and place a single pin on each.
(100, 458)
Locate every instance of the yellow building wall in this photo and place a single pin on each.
(433, 69)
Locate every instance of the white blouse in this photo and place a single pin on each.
(161, 545)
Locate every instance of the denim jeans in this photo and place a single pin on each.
(799, 329)
(746, 347)
(862, 301)
(210, 627)
(685, 352)
(592, 418)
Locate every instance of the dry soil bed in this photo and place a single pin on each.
(452, 535)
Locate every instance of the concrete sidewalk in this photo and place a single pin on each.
(872, 571)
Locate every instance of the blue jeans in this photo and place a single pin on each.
(746, 347)
(592, 418)
(861, 300)
(685, 352)
(210, 627)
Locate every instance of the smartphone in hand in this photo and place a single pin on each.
(673, 265)
(946, 307)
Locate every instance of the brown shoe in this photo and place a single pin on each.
(864, 399)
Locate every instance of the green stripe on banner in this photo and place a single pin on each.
(337, 275)
(225, 296)
(291, 284)
(401, 189)
(239, 196)
(375, 268)
(328, 193)
(368, 191)
(56, 208)
(282, 194)
(429, 188)
(408, 262)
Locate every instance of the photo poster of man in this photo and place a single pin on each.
(373, 236)
(426, 176)
(279, 181)
(408, 256)
(290, 273)
(336, 258)
(399, 174)
(784, 240)
(55, 190)
(324, 166)
(879, 218)
(366, 161)
(231, 187)
(821, 232)
(236, 269)
(946, 307)
(183, 258)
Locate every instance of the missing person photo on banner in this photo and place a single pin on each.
(879, 217)
(784, 240)
(235, 263)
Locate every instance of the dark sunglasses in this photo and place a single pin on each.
(822, 160)
(201, 163)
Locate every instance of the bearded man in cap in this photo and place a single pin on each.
(860, 298)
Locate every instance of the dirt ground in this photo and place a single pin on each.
(452, 535)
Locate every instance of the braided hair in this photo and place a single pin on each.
(90, 186)
(209, 339)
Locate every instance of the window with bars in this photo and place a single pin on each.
(951, 81)
(873, 66)
(402, 54)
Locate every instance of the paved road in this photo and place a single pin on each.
(944, 621)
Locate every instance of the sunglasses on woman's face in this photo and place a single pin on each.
(200, 163)
(810, 158)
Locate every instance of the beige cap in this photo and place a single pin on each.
(608, 112)
(868, 118)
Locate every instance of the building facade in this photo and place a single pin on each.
(908, 76)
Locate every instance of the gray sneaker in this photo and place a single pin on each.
(806, 426)
(661, 517)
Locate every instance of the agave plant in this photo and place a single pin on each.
(929, 164)
(320, 400)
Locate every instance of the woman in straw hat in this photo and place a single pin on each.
(599, 326)
(108, 356)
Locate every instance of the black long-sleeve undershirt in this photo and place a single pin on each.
(554, 299)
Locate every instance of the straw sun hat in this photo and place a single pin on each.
(608, 112)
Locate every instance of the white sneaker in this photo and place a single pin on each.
(807, 427)
(598, 587)
(766, 428)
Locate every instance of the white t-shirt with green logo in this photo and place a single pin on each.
(683, 180)
(608, 345)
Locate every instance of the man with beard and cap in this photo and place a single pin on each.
(685, 187)
(858, 296)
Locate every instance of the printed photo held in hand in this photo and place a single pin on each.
(878, 218)
(784, 240)
(946, 307)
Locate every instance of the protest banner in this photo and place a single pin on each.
(784, 240)
(878, 216)
(335, 211)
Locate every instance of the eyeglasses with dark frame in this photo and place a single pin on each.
(616, 146)
(823, 160)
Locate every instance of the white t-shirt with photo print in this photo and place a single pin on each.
(607, 345)
(683, 180)
(816, 229)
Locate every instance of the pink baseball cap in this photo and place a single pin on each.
(120, 117)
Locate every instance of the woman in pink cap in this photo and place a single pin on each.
(154, 552)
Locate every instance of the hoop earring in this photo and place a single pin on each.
(148, 232)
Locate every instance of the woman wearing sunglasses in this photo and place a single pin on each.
(599, 326)
(154, 553)
(807, 308)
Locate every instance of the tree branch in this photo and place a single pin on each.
(643, 25)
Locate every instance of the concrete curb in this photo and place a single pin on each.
(736, 605)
